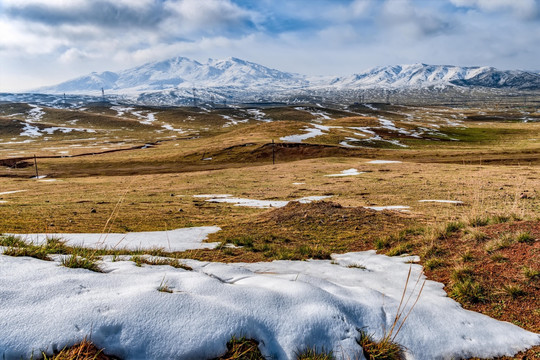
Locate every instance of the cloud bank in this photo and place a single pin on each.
(47, 41)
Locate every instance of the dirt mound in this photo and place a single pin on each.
(327, 213)
(302, 231)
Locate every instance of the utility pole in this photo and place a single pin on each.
(35, 165)
(273, 152)
(194, 97)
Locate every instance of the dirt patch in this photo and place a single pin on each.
(509, 289)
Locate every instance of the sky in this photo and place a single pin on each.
(44, 42)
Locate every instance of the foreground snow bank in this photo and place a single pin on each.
(171, 240)
(285, 305)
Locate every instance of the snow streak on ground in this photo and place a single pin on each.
(263, 204)
(11, 192)
(35, 114)
(443, 201)
(384, 162)
(348, 172)
(285, 305)
(389, 207)
(258, 115)
(172, 240)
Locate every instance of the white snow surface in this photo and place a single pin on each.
(11, 192)
(263, 204)
(443, 201)
(348, 172)
(172, 240)
(309, 133)
(285, 305)
(389, 207)
(384, 162)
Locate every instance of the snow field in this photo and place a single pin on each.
(285, 305)
(172, 240)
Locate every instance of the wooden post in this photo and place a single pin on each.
(35, 165)
(273, 152)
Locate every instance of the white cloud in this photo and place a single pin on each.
(521, 8)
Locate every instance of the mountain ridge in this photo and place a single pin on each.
(180, 80)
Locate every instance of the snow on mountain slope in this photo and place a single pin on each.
(415, 75)
(180, 72)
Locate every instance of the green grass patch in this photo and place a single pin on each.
(78, 262)
(469, 291)
(400, 249)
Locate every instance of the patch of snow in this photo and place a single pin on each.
(48, 180)
(345, 142)
(120, 110)
(285, 305)
(39, 177)
(207, 159)
(298, 183)
(11, 192)
(390, 207)
(348, 172)
(30, 130)
(3, 201)
(310, 133)
(212, 196)
(443, 201)
(384, 162)
(35, 114)
(172, 240)
(258, 115)
(171, 128)
(264, 204)
(309, 199)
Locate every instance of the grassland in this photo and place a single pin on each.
(487, 159)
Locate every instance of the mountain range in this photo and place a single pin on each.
(180, 80)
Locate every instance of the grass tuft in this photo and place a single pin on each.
(476, 235)
(242, 349)
(82, 351)
(400, 249)
(462, 273)
(530, 273)
(314, 354)
(467, 256)
(140, 260)
(382, 242)
(37, 252)
(479, 221)
(434, 263)
(504, 241)
(12, 241)
(78, 262)
(385, 349)
(514, 291)
(524, 237)
(468, 291)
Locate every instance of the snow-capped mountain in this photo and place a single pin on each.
(182, 81)
(404, 76)
(180, 72)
